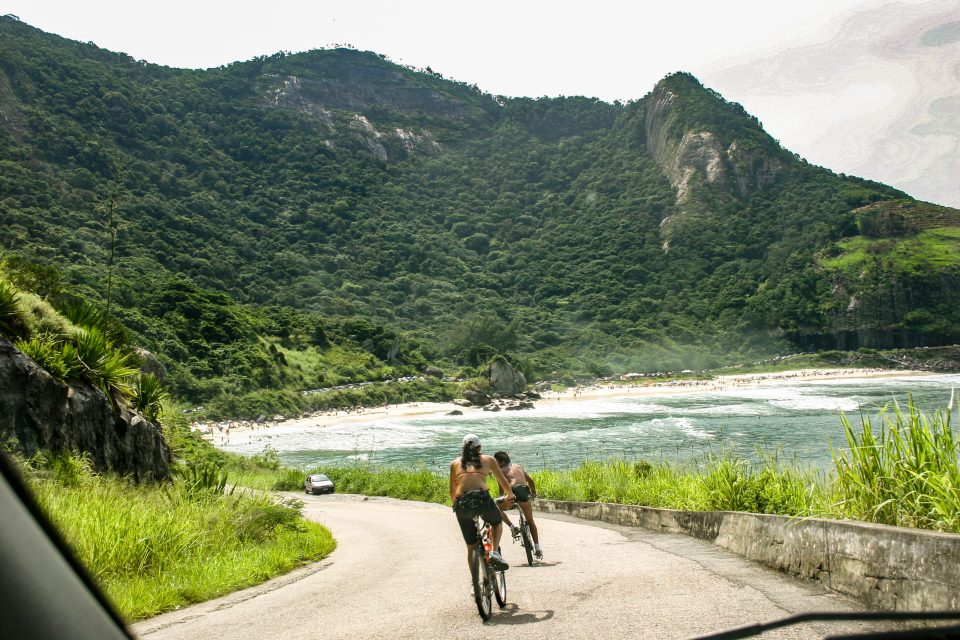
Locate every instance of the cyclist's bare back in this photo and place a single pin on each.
(472, 478)
(470, 496)
(515, 475)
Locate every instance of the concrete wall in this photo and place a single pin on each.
(889, 568)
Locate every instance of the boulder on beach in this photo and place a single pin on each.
(504, 379)
(455, 412)
(461, 402)
(478, 398)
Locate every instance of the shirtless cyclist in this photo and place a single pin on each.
(524, 489)
(470, 496)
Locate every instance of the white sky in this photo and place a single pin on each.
(751, 51)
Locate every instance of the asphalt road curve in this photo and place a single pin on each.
(400, 571)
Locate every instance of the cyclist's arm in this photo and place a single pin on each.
(530, 483)
(453, 483)
(501, 479)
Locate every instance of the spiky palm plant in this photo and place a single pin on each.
(57, 357)
(103, 364)
(87, 316)
(149, 395)
(11, 324)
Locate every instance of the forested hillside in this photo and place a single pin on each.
(265, 204)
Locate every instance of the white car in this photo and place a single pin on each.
(318, 483)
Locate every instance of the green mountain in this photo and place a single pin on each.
(428, 221)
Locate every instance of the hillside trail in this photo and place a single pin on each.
(399, 571)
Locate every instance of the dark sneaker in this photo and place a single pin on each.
(497, 562)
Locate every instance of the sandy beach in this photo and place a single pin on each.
(219, 433)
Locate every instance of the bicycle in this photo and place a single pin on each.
(487, 581)
(525, 538)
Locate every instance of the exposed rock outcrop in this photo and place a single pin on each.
(504, 379)
(478, 398)
(43, 414)
(433, 372)
(706, 164)
(149, 363)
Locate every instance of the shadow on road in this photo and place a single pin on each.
(510, 614)
(538, 563)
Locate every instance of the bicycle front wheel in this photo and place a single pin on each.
(482, 587)
(500, 586)
(527, 541)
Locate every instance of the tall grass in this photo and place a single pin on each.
(155, 548)
(906, 473)
(721, 483)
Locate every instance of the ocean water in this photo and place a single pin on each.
(798, 421)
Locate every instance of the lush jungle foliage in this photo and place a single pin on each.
(299, 221)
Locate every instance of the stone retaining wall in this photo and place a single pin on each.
(888, 568)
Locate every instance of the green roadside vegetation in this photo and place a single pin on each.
(903, 471)
(151, 546)
(154, 547)
(158, 547)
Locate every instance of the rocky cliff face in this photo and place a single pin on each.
(360, 97)
(700, 159)
(44, 414)
(704, 153)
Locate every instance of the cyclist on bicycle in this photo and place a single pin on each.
(470, 496)
(524, 489)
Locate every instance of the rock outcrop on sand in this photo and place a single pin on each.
(477, 398)
(504, 379)
(40, 413)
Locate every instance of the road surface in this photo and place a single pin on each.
(400, 571)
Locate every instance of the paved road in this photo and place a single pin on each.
(400, 572)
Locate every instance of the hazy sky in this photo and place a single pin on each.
(860, 86)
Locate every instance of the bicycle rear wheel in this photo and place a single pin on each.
(482, 586)
(527, 540)
(500, 586)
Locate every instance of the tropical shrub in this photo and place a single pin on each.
(148, 395)
(103, 365)
(11, 323)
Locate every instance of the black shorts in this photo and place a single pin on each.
(475, 503)
(521, 492)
